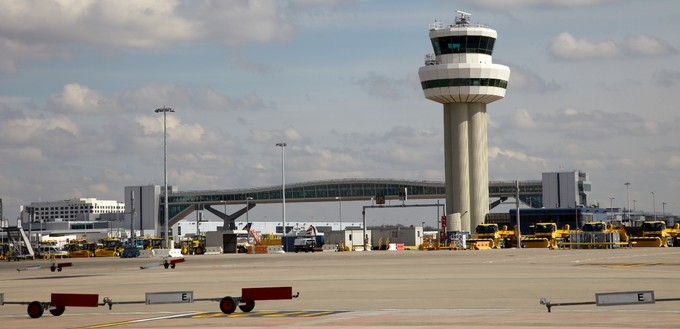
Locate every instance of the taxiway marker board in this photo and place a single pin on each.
(169, 297)
(624, 298)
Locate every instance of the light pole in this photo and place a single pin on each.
(340, 210)
(654, 205)
(628, 199)
(611, 207)
(165, 111)
(663, 211)
(283, 145)
(247, 209)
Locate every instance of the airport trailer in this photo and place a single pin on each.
(228, 304)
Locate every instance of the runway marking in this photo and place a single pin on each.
(122, 323)
(203, 315)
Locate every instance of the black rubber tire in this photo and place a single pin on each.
(166, 265)
(58, 310)
(35, 309)
(228, 305)
(53, 268)
(248, 305)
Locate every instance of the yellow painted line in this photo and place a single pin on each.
(122, 323)
(317, 313)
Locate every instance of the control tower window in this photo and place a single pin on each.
(473, 44)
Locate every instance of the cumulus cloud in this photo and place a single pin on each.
(48, 29)
(647, 46)
(666, 78)
(76, 98)
(516, 4)
(526, 80)
(382, 86)
(567, 47)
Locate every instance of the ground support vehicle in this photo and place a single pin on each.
(80, 248)
(111, 247)
(53, 267)
(51, 252)
(546, 235)
(305, 244)
(228, 304)
(152, 243)
(654, 234)
(598, 235)
(491, 235)
(4, 251)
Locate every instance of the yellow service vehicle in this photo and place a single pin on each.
(194, 245)
(546, 235)
(491, 234)
(654, 234)
(111, 247)
(80, 248)
(4, 251)
(152, 243)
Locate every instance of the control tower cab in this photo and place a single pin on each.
(461, 75)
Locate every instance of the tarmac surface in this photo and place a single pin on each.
(372, 289)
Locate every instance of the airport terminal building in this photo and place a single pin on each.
(143, 206)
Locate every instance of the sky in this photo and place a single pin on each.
(594, 86)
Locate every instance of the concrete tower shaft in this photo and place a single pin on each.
(460, 75)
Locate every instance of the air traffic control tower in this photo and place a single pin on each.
(461, 76)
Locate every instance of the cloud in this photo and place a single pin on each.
(567, 47)
(582, 125)
(77, 98)
(647, 46)
(557, 4)
(382, 86)
(49, 29)
(524, 79)
(667, 78)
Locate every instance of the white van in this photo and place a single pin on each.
(52, 251)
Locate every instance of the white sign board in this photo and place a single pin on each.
(169, 297)
(624, 298)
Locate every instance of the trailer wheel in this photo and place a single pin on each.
(35, 309)
(58, 310)
(166, 265)
(228, 305)
(248, 305)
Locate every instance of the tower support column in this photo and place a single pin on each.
(479, 163)
(456, 155)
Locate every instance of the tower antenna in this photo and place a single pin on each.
(463, 19)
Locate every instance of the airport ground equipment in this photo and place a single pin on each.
(614, 299)
(54, 266)
(80, 248)
(111, 247)
(547, 235)
(167, 263)
(493, 235)
(654, 234)
(597, 235)
(228, 304)
(19, 244)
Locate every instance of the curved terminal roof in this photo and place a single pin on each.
(350, 190)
